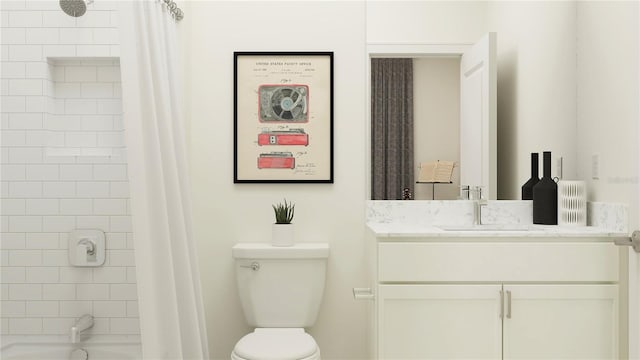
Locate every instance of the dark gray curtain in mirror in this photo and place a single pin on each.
(391, 128)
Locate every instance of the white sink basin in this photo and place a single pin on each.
(487, 227)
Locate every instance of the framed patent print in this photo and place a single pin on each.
(283, 117)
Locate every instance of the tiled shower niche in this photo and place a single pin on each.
(84, 116)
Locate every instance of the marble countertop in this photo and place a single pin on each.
(490, 231)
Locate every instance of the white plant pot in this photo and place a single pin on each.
(282, 234)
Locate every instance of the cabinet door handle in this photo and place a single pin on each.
(501, 304)
(508, 304)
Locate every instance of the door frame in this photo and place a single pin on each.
(398, 50)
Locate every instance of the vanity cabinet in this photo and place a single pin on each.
(507, 298)
(478, 322)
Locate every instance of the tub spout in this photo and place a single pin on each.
(82, 323)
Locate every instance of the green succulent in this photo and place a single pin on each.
(284, 212)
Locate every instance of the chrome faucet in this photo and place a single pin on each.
(475, 194)
(82, 323)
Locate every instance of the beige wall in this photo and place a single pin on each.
(436, 105)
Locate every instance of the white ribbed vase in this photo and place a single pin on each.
(282, 234)
(572, 203)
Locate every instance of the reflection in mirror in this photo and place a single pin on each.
(391, 128)
(415, 111)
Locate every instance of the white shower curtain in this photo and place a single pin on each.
(171, 311)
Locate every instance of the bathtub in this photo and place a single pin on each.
(65, 351)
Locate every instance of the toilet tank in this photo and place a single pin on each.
(280, 286)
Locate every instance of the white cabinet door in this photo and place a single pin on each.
(561, 322)
(439, 322)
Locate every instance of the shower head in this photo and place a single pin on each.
(74, 8)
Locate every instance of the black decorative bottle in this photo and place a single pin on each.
(545, 196)
(527, 188)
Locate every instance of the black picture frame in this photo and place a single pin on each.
(283, 117)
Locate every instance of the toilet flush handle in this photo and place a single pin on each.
(255, 266)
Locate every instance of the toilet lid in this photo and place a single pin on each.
(276, 344)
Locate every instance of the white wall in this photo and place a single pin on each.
(607, 100)
(52, 110)
(536, 88)
(607, 115)
(436, 107)
(225, 214)
(425, 22)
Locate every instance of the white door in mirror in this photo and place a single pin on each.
(86, 247)
(478, 116)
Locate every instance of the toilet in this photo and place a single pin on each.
(280, 290)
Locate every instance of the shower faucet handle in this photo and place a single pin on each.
(89, 244)
(86, 247)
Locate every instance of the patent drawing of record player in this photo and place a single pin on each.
(276, 160)
(284, 103)
(284, 137)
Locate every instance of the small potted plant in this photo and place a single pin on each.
(282, 230)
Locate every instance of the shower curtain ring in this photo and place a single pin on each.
(179, 14)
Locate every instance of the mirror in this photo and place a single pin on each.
(429, 108)
(558, 91)
(435, 126)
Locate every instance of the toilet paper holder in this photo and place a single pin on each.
(363, 294)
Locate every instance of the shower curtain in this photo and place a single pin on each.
(172, 319)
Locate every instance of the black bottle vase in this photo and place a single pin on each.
(545, 196)
(527, 188)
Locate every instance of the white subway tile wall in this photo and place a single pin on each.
(63, 168)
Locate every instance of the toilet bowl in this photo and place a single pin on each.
(276, 344)
(280, 289)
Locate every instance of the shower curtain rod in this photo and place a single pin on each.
(176, 12)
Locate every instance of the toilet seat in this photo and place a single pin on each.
(276, 344)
